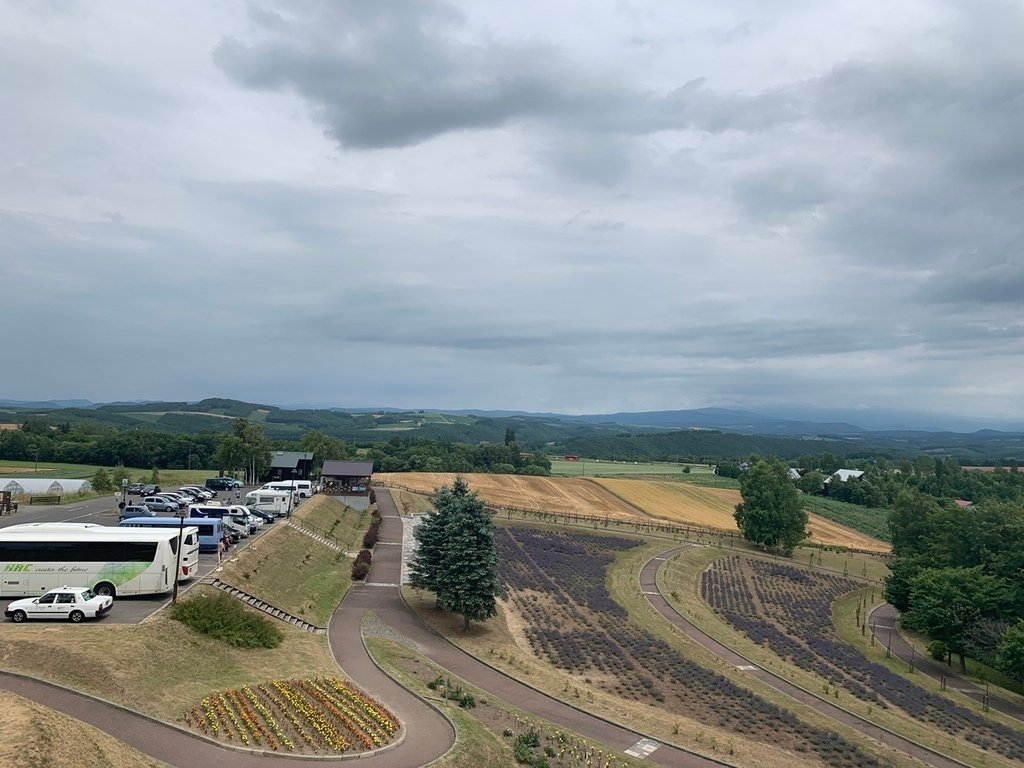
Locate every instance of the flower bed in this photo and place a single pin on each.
(789, 610)
(319, 715)
(556, 581)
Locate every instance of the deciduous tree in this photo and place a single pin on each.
(947, 603)
(772, 512)
(1011, 652)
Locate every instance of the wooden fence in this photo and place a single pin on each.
(681, 530)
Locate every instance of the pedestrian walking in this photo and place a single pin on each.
(222, 548)
(238, 494)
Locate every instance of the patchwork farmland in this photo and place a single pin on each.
(622, 499)
(713, 507)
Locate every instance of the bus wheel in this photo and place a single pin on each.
(18, 617)
(76, 616)
(105, 588)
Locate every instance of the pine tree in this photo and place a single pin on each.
(457, 558)
(430, 535)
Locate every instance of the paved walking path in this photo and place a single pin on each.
(386, 601)
(650, 589)
(428, 734)
(882, 622)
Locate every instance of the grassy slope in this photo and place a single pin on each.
(46, 738)
(160, 667)
(870, 520)
(293, 571)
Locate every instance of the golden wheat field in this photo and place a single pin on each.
(565, 495)
(713, 507)
(619, 498)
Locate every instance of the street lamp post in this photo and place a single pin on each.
(181, 543)
(291, 498)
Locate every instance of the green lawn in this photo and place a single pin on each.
(592, 467)
(168, 477)
(869, 520)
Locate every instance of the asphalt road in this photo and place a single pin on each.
(103, 511)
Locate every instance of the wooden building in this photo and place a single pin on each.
(289, 465)
(346, 478)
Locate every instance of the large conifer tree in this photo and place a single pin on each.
(456, 558)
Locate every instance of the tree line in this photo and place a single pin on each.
(247, 448)
(958, 576)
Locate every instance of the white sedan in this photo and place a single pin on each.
(68, 603)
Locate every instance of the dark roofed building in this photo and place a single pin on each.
(282, 463)
(346, 478)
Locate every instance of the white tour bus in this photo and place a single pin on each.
(303, 488)
(37, 557)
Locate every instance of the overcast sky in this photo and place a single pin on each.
(579, 206)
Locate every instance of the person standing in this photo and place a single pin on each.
(238, 494)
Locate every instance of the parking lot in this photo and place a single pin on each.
(103, 511)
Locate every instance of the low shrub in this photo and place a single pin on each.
(360, 569)
(225, 618)
(364, 556)
(371, 536)
(938, 650)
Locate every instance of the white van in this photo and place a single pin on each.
(275, 502)
(303, 488)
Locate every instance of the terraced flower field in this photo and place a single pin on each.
(787, 609)
(713, 507)
(556, 582)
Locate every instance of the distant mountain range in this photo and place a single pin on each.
(792, 421)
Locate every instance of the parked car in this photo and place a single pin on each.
(134, 488)
(179, 501)
(220, 483)
(68, 603)
(133, 510)
(198, 491)
(149, 490)
(266, 517)
(238, 509)
(159, 504)
(230, 523)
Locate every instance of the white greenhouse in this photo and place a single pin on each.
(42, 486)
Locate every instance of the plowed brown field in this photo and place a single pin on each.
(713, 507)
(619, 498)
(552, 494)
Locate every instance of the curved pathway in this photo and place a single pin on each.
(429, 735)
(387, 602)
(650, 589)
(882, 622)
